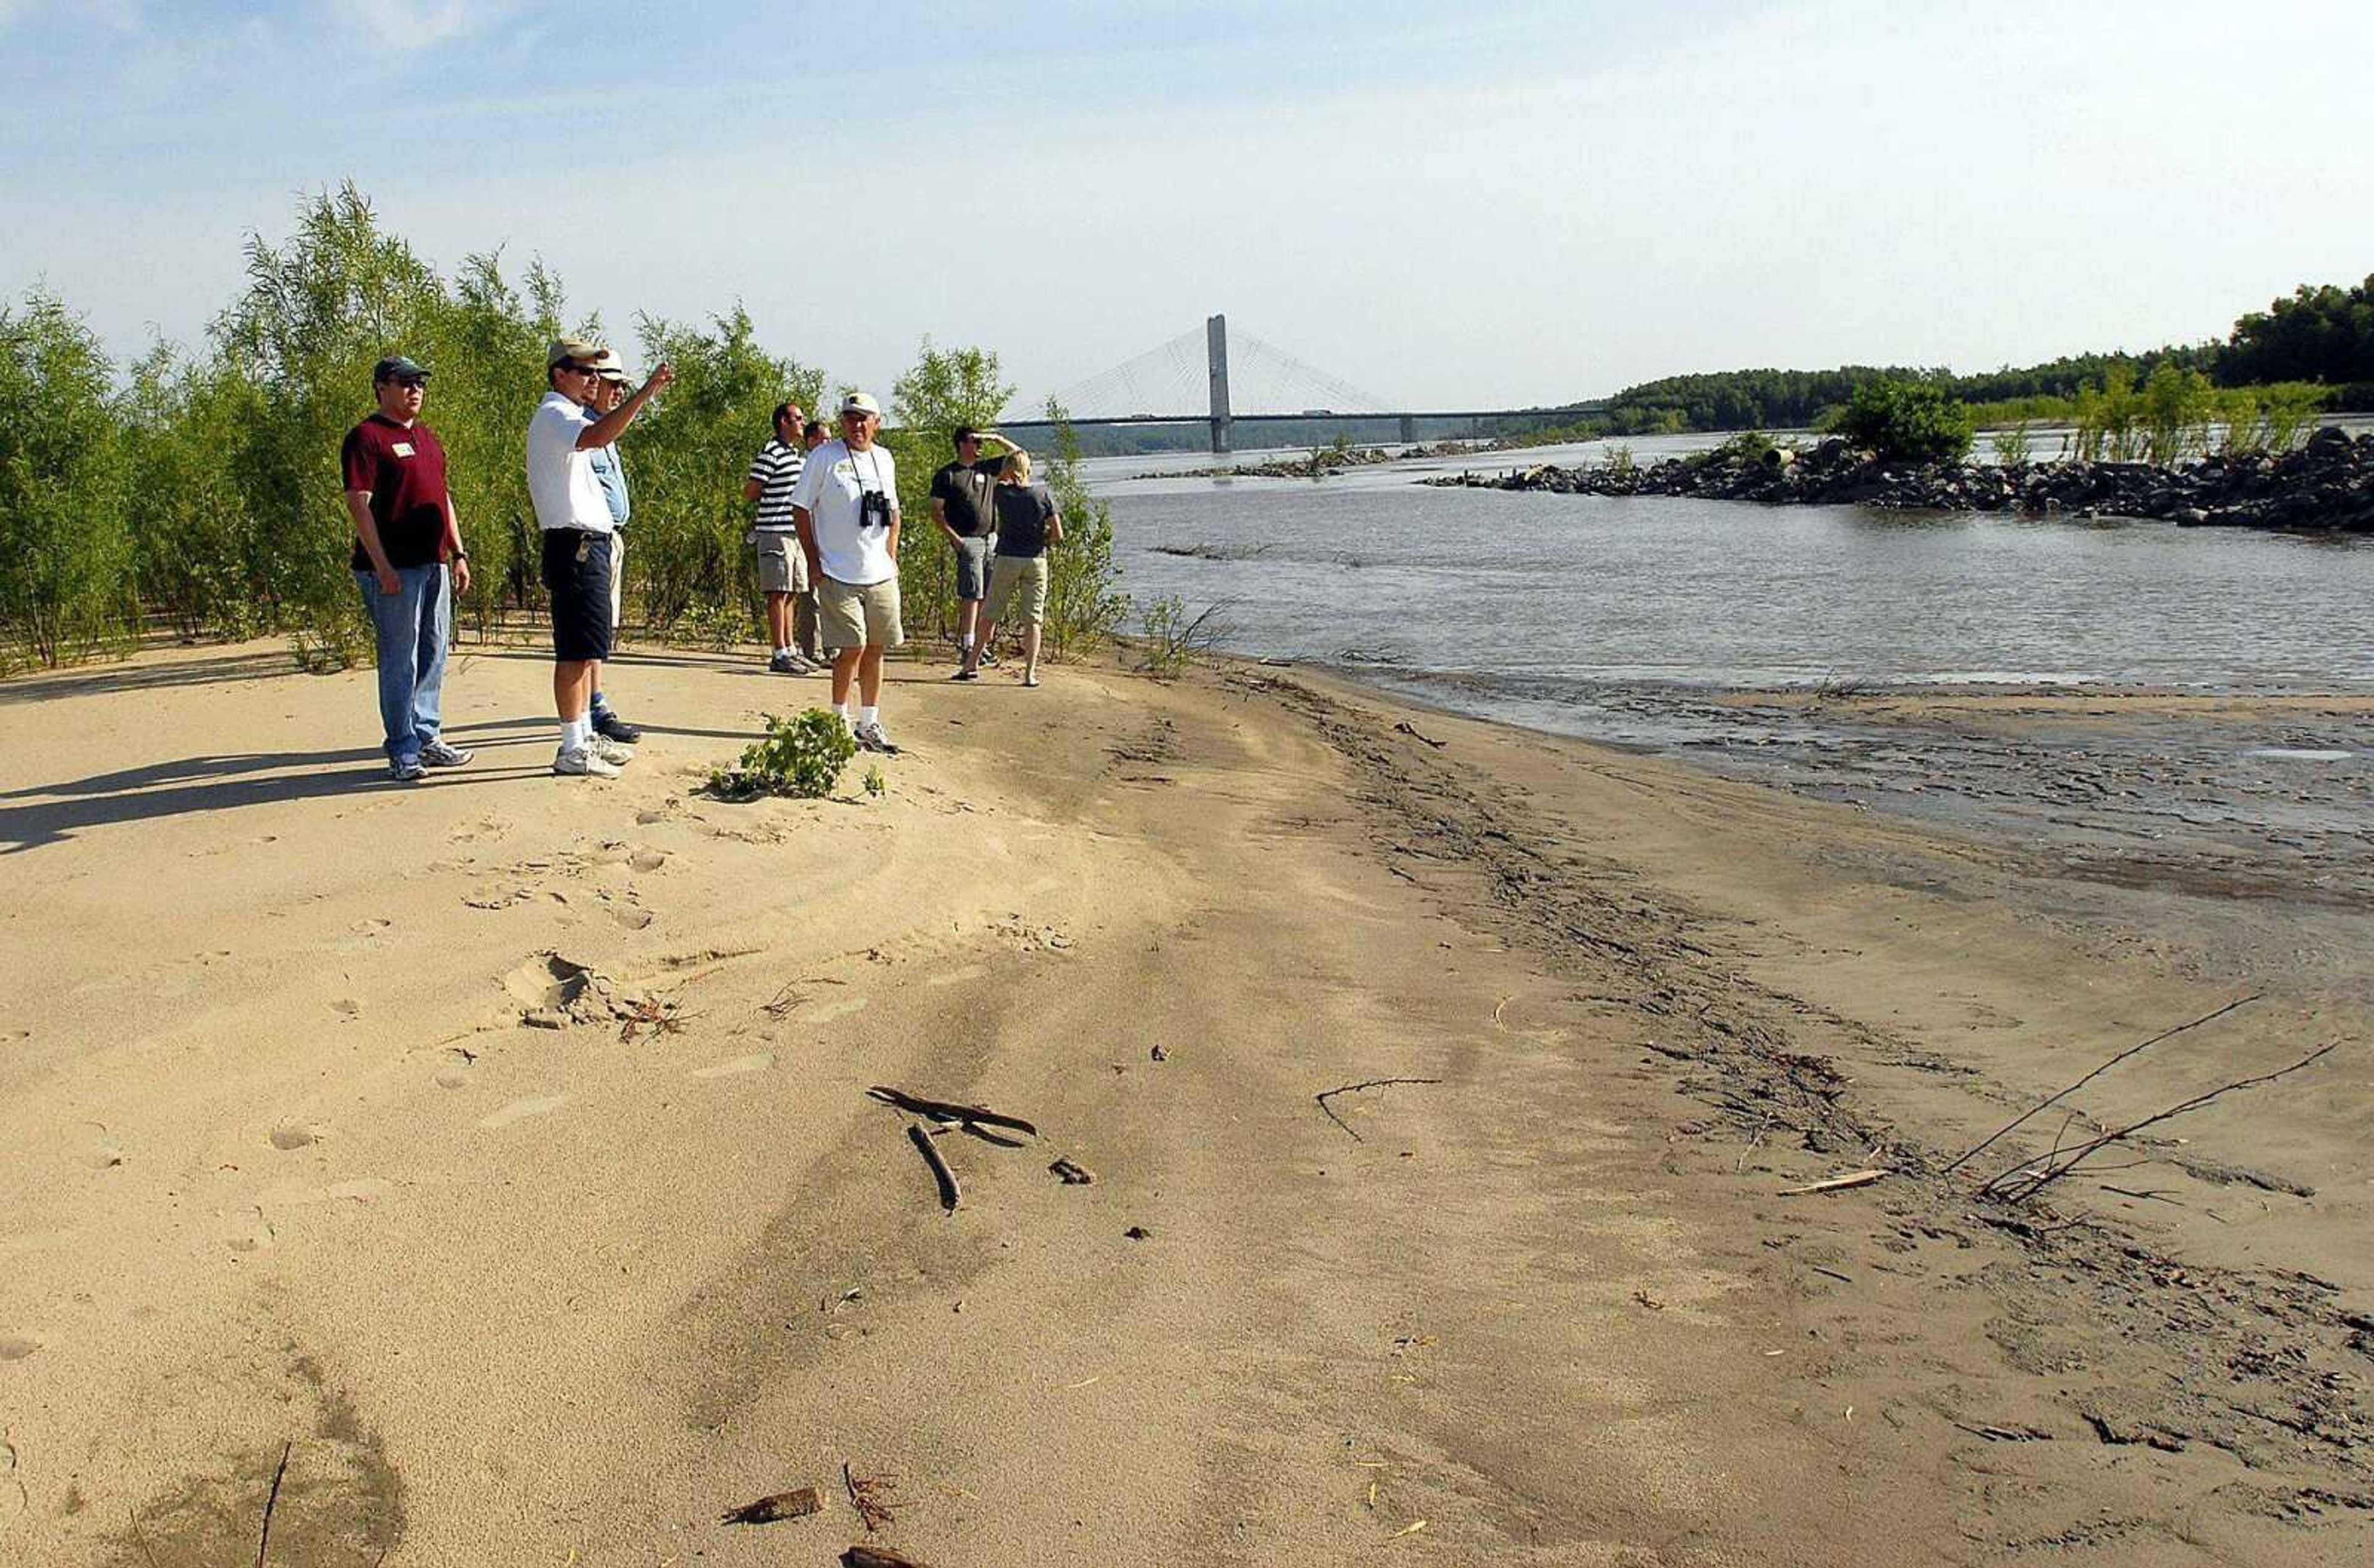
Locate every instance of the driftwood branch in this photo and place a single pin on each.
(1326, 1095)
(950, 1195)
(2023, 1181)
(862, 1556)
(943, 1110)
(2020, 1120)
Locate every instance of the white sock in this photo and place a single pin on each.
(965, 643)
(869, 715)
(573, 734)
(842, 709)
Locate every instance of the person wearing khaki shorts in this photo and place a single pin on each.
(1027, 524)
(846, 508)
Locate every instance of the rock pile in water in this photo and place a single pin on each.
(2327, 485)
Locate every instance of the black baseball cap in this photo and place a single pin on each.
(396, 367)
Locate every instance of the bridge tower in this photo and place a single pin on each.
(1216, 343)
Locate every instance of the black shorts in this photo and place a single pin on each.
(577, 574)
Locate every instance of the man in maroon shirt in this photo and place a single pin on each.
(404, 534)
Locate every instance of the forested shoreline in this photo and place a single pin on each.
(196, 491)
(2314, 348)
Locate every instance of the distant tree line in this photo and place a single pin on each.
(2323, 335)
(198, 491)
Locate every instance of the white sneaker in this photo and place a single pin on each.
(608, 750)
(582, 759)
(870, 737)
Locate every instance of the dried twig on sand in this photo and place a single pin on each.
(873, 1498)
(950, 1194)
(2019, 1120)
(1836, 1184)
(945, 1110)
(650, 1014)
(2022, 1181)
(140, 1537)
(271, 1500)
(1326, 1095)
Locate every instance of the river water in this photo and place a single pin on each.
(1654, 622)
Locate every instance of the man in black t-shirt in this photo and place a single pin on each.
(405, 532)
(961, 505)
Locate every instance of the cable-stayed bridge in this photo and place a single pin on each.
(1225, 382)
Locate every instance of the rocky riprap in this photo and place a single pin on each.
(2328, 484)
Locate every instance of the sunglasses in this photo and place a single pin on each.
(411, 383)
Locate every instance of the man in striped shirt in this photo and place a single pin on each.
(782, 565)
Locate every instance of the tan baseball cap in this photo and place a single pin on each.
(582, 350)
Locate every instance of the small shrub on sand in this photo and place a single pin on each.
(801, 757)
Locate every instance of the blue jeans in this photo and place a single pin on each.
(413, 625)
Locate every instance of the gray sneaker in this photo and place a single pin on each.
(581, 760)
(871, 738)
(406, 770)
(781, 664)
(436, 754)
(608, 750)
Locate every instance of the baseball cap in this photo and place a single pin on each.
(861, 403)
(581, 350)
(396, 366)
(608, 364)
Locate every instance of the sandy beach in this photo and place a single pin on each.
(484, 1172)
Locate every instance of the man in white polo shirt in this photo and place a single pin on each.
(846, 508)
(575, 519)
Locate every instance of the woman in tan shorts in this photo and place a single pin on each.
(1027, 524)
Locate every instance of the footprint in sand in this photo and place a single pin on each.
(833, 1010)
(248, 1231)
(520, 1109)
(346, 1007)
(958, 976)
(648, 859)
(734, 1069)
(452, 1077)
(634, 919)
(14, 1500)
(16, 1346)
(105, 1158)
(292, 1135)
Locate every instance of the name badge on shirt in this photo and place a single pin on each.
(402, 449)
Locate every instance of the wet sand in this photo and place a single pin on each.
(316, 1149)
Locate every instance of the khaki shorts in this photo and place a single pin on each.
(855, 615)
(782, 565)
(1023, 577)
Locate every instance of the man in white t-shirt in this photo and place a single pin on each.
(846, 508)
(575, 518)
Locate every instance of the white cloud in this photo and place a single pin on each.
(425, 24)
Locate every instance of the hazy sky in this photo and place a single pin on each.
(1484, 206)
